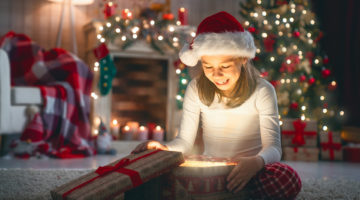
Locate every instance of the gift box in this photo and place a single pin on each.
(295, 132)
(111, 181)
(301, 153)
(330, 143)
(200, 177)
(351, 152)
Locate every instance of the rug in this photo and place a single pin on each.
(36, 184)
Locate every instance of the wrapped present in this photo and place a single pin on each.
(351, 134)
(200, 177)
(111, 181)
(351, 152)
(301, 153)
(295, 132)
(330, 143)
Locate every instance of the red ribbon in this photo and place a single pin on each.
(299, 132)
(119, 167)
(330, 145)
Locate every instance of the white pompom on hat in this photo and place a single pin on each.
(218, 34)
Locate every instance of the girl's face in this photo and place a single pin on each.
(223, 71)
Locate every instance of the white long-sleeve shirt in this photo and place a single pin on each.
(247, 130)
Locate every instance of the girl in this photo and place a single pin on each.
(237, 108)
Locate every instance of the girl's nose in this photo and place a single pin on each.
(217, 72)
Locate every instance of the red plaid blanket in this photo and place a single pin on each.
(65, 83)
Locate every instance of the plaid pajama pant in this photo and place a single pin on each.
(275, 181)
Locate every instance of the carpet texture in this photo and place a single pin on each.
(36, 184)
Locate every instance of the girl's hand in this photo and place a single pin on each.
(241, 174)
(151, 144)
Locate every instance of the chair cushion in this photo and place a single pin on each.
(25, 95)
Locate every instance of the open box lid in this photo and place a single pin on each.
(110, 181)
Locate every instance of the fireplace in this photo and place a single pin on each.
(139, 91)
(143, 90)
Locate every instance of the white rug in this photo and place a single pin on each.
(36, 184)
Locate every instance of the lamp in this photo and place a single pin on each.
(70, 4)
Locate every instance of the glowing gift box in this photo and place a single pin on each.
(200, 177)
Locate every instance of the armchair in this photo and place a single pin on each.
(14, 100)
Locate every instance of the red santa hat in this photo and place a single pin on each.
(218, 34)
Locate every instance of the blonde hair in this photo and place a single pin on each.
(245, 86)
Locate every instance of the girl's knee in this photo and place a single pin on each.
(285, 180)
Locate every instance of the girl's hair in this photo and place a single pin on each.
(245, 86)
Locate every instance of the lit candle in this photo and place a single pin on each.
(134, 126)
(127, 134)
(182, 16)
(115, 129)
(143, 133)
(158, 134)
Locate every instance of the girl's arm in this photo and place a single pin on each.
(266, 104)
(189, 122)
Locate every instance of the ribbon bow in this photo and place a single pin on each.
(299, 127)
(102, 171)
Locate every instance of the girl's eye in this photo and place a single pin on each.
(208, 67)
(225, 66)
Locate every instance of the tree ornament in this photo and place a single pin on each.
(302, 78)
(252, 30)
(296, 34)
(269, 43)
(326, 60)
(311, 80)
(294, 106)
(325, 73)
(290, 64)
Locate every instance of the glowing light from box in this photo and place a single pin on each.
(197, 163)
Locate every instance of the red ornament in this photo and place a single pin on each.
(310, 56)
(275, 83)
(302, 78)
(325, 60)
(294, 105)
(168, 16)
(252, 29)
(294, 61)
(325, 105)
(264, 74)
(311, 80)
(109, 9)
(296, 34)
(269, 43)
(256, 58)
(183, 16)
(325, 73)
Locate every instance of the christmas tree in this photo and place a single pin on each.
(289, 55)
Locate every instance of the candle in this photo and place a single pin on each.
(182, 16)
(143, 133)
(127, 134)
(115, 129)
(158, 134)
(134, 126)
(109, 9)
